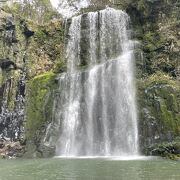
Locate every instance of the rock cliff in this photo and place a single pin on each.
(31, 57)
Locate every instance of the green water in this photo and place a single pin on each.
(89, 169)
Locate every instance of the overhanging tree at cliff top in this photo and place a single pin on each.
(36, 10)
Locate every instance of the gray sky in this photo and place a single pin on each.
(66, 10)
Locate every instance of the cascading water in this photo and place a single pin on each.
(96, 108)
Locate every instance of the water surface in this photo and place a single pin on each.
(89, 169)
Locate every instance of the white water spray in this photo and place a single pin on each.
(96, 108)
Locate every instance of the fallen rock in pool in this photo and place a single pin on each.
(10, 149)
(170, 150)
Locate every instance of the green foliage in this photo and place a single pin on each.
(46, 47)
(40, 11)
(152, 41)
(51, 33)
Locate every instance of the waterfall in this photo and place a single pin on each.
(96, 107)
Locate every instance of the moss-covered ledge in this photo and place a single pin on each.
(159, 109)
(40, 91)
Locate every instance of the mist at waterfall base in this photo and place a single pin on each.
(95, 110)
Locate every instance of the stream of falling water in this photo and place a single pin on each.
(96, 107)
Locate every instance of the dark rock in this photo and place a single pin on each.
(7, 64)
(11, 122)
(10, 26)
(84, 41)
(169, 150)
(29, 33)
(47, 151)
(26, 31)
(1, 144)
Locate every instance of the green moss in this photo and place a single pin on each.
(159, 94)
(168, 119)
(46, 48)
(44, 33)
(159, 78)
(152, 41)
(59, 66)
(39, 103)
(1, 78)
(172, 103)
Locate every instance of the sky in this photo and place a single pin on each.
(66, 10)
(54, 3)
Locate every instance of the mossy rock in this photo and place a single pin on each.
(39, 104)
(170, 150)
(60, 66)
(159, 107)
(46, 48)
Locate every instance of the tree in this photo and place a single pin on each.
(40, 11)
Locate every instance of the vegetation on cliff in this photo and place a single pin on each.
(159, 100)
(39, 102)
(28, 48)
(156, 25)
(32, 46)
(39, 11)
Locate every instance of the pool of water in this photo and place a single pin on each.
(89, 169)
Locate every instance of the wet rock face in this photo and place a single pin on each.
(12, 79)
(159, 97)
(6, 64)
(25, 30)
(85, 42)
(9, 31)
(27, 50)
(11, 120)
(156, 27)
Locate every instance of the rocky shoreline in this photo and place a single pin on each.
(11, 150)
